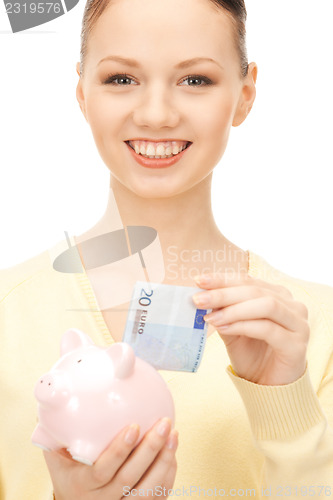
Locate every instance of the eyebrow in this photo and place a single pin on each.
(181, 65)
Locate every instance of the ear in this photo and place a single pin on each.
(123, 359)
(248, 95)
(79, 92)
(73, 339)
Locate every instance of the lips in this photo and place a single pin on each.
(156, 163)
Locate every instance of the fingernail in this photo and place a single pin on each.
(163, 427)
(172, 441)
(202, 279)
(201, 299)
(132, 434)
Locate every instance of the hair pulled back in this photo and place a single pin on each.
(236, 8)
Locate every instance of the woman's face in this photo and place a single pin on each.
(160, 97)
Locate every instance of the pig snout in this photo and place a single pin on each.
(52, 389)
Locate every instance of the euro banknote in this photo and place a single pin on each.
(164, 327)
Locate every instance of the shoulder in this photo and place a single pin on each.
(29, 274)
(15, 276)
(319, 295)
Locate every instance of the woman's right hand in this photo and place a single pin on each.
(120, 468)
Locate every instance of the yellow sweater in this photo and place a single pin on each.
(234, 436)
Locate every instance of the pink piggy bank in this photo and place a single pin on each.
(91, 393)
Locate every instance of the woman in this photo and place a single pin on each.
(262, 427)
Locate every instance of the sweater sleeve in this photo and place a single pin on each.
(292, 425)
(292, 429)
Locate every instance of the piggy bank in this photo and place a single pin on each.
(91, 393)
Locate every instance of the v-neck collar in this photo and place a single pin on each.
(85, 285)
(255, 264)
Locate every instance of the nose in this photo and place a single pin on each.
(156, 109)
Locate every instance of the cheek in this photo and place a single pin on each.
(214, 126)
(104, 115)
(216, 119)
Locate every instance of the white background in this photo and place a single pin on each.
(272, 190)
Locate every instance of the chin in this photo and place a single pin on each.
(157, 192)
(157, 188)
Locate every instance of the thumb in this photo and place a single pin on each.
(58, 460)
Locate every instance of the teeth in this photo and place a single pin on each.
(175, 150)
(158, 150)
(149, 151)
(168, 150)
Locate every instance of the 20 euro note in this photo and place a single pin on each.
(164, 327)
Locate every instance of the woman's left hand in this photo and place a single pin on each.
(265, 330)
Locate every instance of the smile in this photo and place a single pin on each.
(139, 153)
(158, 150)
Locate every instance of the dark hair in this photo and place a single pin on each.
(94, 9)
(238, 16)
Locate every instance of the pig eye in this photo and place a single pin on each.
(79, 361)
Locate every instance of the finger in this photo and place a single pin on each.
(223, 297)
(171, 475)
(58, 460)
(268, 307)
(144, 454)
(215, 280)
(61, 466)
(107, 465)
(222, 280)
(280, 339)
(163, 470)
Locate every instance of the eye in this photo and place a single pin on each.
(79, 361)
(119, 80)
(200, 78)
(111, 79)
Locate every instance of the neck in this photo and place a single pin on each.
(190, 240)
(185, 220)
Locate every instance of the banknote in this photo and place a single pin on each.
(164, 327)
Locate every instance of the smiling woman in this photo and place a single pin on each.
(192, 86)
(160, 96)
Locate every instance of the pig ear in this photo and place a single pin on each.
(123, 359)
(73, 339)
